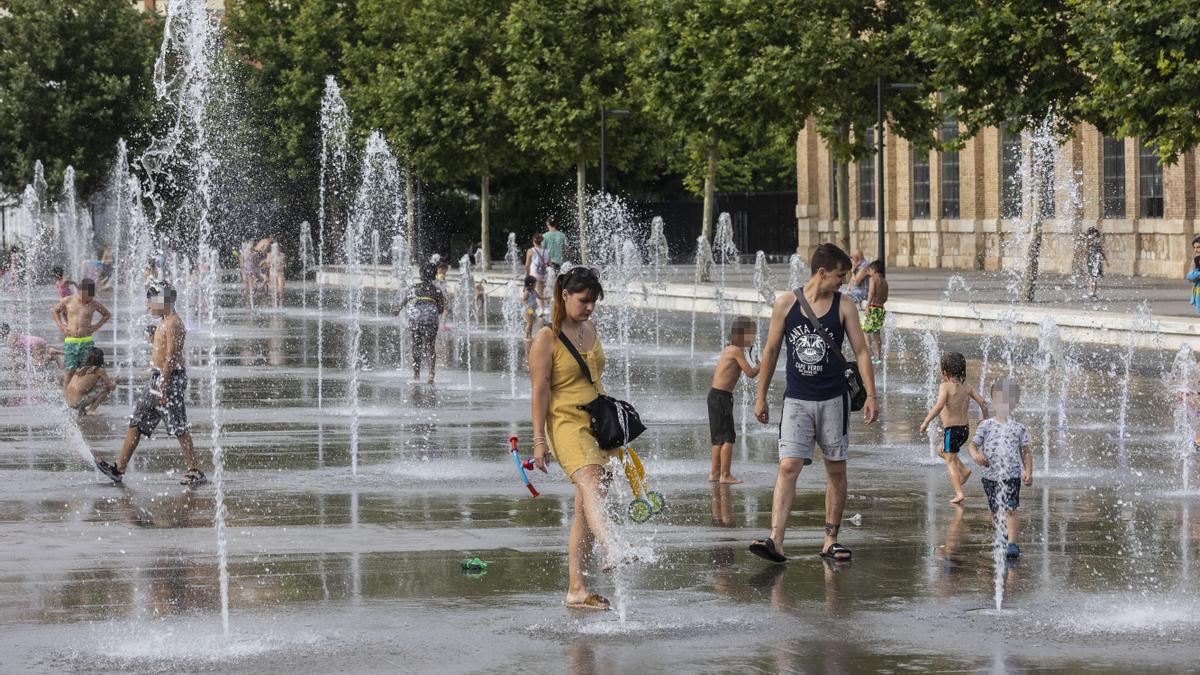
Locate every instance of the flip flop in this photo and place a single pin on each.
(594, 601)
(834, 549)
(765, 549)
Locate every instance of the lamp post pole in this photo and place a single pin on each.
(604, 115)
(879, 210)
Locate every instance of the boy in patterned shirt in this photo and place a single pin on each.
(1002, 447)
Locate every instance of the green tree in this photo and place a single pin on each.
(74, 77)
(446, 85)
(1142, 58)
(697, 67)
(292, 47)
(823, 60)
(564, 61)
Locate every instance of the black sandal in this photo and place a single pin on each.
(109, 470)
(765, 549)
(833, 550)
(193, 478)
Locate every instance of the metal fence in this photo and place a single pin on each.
(762, 221)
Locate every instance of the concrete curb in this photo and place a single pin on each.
(1075, 325)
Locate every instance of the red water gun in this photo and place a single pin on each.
(522, 466)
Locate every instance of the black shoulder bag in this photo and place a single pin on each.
(614, 422)
(854, 383)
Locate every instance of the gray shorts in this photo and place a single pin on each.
(806, 423)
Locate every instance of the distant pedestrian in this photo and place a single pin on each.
(555, 242)
(424, 316)
(1094, 250)
(877, 297)
(857, 286)
(536, 262)
(1194, 275)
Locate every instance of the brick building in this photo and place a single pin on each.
(963, 209)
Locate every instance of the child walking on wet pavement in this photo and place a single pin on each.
(1002, 447)
(730, 365)
(954, 398)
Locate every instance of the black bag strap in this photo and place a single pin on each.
(811, 315)
(578, 359)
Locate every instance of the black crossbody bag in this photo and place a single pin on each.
(614, 422)
(854, 383)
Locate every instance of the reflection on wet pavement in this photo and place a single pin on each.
(331, 571)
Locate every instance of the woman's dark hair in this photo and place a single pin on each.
(954, 365)
(94, 358)
(537, 238)
(530, 282)
(428, 271)
(578, 279)
(57, 271)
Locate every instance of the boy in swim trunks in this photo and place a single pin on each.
(91, 384)
(163, 399)
(1002, 447)
(73, 315)
(877, 296)
(954, 399)
(721, 428)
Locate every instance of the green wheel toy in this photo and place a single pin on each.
(657, 501)
(640, 510)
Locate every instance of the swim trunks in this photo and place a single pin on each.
(721, 428)
(148, 413)
(954, 437)
(75, 350)
(873, 319)
(1008, 489)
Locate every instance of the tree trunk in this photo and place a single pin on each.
(485, 199)
(1030, 278)
(843, 191)
(580, 201)
(710, 189)
(410, 215)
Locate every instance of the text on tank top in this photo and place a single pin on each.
(812, 373)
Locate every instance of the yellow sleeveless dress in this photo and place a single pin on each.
(568, 429)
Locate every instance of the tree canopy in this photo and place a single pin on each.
(74, 77)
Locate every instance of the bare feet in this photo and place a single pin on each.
(958, 498)
(730, 480)
(712, 477)
(587, 600)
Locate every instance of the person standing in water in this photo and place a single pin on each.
(560, 387)
(816, 406)
(424, 317)
(163, 397)
(73, 315)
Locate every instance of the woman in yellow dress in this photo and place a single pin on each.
(559, 387)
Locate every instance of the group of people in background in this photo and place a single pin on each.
(263, 266)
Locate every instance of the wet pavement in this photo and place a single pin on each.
(331, 571)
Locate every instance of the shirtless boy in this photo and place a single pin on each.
(730, 365)
(163, 397)
(954, 397)
(73, 315)
(91, 384)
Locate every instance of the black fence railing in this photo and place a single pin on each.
(762, 221)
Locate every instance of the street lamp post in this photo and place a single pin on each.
(879, 214)
(604, 115)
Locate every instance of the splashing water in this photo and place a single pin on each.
(333, 192)
(798, 271)
(1184, 384)
(933, 368)
(659, 256)
(1050, 349)
(704, 261)
(724, 253)
(1141, 320)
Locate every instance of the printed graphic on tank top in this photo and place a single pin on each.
(812, 373)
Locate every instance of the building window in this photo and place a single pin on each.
(920, 183)
(1150, 184)
(1010, 171)
(1114, 177)
(866, 188)
(949, 171)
